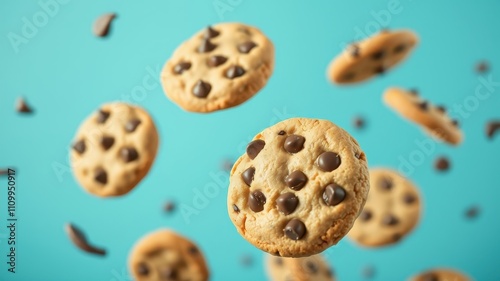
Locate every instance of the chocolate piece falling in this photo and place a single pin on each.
(107, 142)
(254, 148)
(295, 229)
(169, 207)
(78, 238)
(246, 260)
(132, 125)
(334, 194)
(4, 172)
(359, 122)
(256, 201)
(201, 89)
(103, 24)
(472, 212)
(101, 176)
(328, 161)
(102, 116)
(234, 71)
(368, 272)
(210, 33)
(287, 203)
(294, 143)
(22, 106)
(248, 175)
(181, 67)
(491, 128)
(482, 67)
(442, 164)
(79, 146)
(206, 46)
(215, 61)
(246, 47)
(296, 180)
(129, 154)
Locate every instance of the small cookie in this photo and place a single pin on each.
(375, 55)
(165, 255)
(392, 210)
(114, 149)
(313, 268)
(219, 67)
(440, 274)
(432, 118)
(298, 188)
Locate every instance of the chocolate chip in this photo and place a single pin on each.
(441, 108)
(491, 128)
(368, 272)
(380, 69)
(429, 277)
(455, 123)
(236, 209)
(365, 215)
(248, 175)
(193, 250)
(181, 67)
(295, 229)
(227, 165)
(333, 194)
(312, 267)
(215, 61)
(78, 238)
(424, 105)
(378, 55)
(409, 198)
(201, 89)
(210, 33)
(472, 212)
(132, 125)
(129, 154)
(142, 269)
(246, 260)
(399, 48)
(390, 220)
(246, 47)
(296, 180)
(354, 50)
(358, 122)
(287, 203)
(413, 92)
(294, 143)
(234, 71)
(169, 206)
(22, 106)
(281, 133)
(278, 261)
(385, 183)
(254, 148)
(328, 161)
(101, 176)
(102, 116)
(103, 24)
(442, 164)
(107, 142)
(79, 146)
(256, 201)
(348, 76)
(168, 273)
(206, 46)
(482, 67)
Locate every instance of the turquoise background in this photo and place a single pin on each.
(66, 73)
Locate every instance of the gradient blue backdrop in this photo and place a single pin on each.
(66, 73)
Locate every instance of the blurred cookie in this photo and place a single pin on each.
(434, 119)
(375, 55)
(298, 188)
(219, 67)
(165, 255)
(440, 274)
(392, 210)
(313, 268)
(114, 149)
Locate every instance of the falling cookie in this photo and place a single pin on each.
(391, 212)
(219, 67)
(313, 268)
(434, 119)
(441, 274)
(377, 54)
(165, 255)
(298, 188)
(114, 149)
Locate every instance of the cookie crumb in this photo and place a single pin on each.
(358, 122)
(23, 107)
(246, 260)
(102, 25)
(169, 207)
(482, 67)
(472, 212)
(227, 165)
(368, 272)
(442, 164)
(492, 127)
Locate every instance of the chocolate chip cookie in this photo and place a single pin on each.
(313, 268)
(391, 212)
(219, 67)
(165, 255)
(298, 188)
(114, 149)
(440, 274)
(377, 54)
(434, 119)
